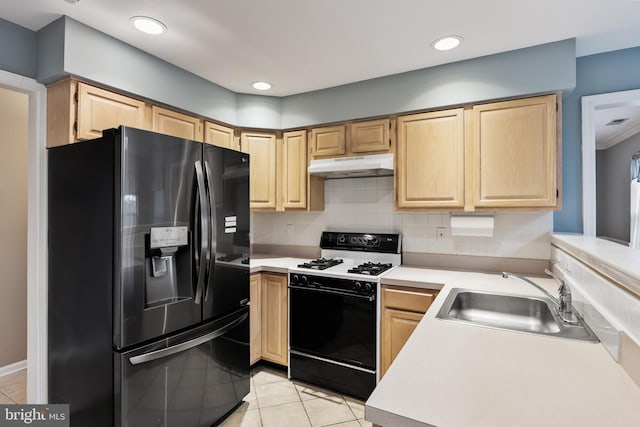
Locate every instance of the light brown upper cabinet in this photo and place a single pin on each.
(500, 155)
(430, 160)
(294, 170)
(329, 141)
(99, 109)
(513, 153)
(370, 137)
(176, 124)
(263, 177)
(220, 136)
(78, 111)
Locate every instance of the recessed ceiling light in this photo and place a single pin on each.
(148, 25)
(447, 42)
(261, 85)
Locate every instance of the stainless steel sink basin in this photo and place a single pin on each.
(512, 312)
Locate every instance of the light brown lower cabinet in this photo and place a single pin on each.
(255, 313)
(268, 318)
(402, 310)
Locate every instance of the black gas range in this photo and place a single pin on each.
(333, 311)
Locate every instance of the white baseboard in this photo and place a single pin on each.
(14, 367)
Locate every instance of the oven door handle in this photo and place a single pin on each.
(370, 298)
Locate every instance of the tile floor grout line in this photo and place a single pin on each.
(8, 397)
(302, 403)
(351, 409)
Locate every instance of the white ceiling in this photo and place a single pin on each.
(305, 45)
(609, 135)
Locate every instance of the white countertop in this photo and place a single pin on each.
(274, 264)
(452, 374)
(616, 261)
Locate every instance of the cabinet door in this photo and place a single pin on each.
(219, 135)
(294, 169)
(402, 310)
(176, 124)
(329, 141)
(514, 153)
(397, 327)
(99, 109)
(262, 171)
(430, 163)
(255, 315)
(274, 318)
(370, 137)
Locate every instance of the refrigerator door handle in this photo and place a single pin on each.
(159, 354)
(213, 230)
(204, 232)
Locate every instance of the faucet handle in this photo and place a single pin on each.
(563, 285)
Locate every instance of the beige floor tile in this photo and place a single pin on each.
(15, 386)
(276, 394)
(325, 412)
(4, 400)
(357, 406)
(250, 418)
(308, 392)
(365, 423)
(249, 402)
(264, 375)
(287, 415)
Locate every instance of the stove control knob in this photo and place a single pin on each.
(294, 279)
(367, 287)
(357, 286)
(304, 280)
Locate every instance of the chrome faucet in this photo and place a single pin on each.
(563, 302)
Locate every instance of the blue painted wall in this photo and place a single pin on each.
(98, 57)
(50, 54)
(95, 56)
(545, 68)
(17, 49)
(606, 72)
(258, 111)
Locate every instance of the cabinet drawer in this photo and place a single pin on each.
(407, 299)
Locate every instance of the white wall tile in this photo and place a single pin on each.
(366, 204)
(605, 307)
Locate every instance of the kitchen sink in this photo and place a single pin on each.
(530, 314)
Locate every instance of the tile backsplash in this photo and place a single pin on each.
(606, 307)
(366, 204)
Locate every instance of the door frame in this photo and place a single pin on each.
(36, 234)
(590, 104)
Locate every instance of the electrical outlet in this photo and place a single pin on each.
(440, 233)
(289, 229)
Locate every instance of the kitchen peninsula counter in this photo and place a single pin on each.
(453, 374)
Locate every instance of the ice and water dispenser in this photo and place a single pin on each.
(168, 262)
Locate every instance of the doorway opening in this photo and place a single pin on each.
(36, 230)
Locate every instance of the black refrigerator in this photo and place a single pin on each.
(148, 280)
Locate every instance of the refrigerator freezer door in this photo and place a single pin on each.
(227, 175)
(157, 206)
(192, 379)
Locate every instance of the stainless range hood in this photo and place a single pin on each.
(353, 167)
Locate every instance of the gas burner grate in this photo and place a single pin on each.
(321, 263)
(371, 268)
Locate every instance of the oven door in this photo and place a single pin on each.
(333, 325)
